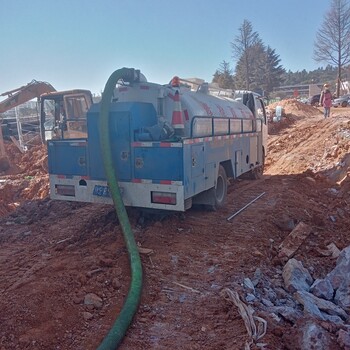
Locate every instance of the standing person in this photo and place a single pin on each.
(326, 100)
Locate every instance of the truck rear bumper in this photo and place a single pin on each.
(143, 195)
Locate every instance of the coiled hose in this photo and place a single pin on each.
(123, 321)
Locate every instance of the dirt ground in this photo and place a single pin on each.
(53, 255)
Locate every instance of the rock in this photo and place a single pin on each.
(294, 240)
(332, 218)
(89, 307)
(285, 223)
(340, 172)
(339, 278)
(250, 297)
(313, 305)
(146, 251)
(314, 337)
(257, 277)
(257, 253)
(333, 191)
(275, 317)
(344, 257)
(310, 180)
(333, 319)
(249, 284)
(87, 316)
(277, 293)
(267, 302)
(116, 283)
(322, 289)
(296, 277)
(342, 296)
(309, 307)
(288, 313)
(94, 300)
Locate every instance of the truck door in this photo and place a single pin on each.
(261, 116)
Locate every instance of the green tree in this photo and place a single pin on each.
(317, 76)
(258, 67)
(332, 43)
(224, 76)
(272, 71)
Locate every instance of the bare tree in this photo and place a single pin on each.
(243, 49)
(332, 43)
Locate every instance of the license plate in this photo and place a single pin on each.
(101, 191)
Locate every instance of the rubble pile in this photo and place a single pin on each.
(26, 179)
(292, 110)
(296, 298)
(293, 107)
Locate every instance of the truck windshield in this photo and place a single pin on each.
(64, 117)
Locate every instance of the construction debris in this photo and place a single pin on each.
(255, 326)
(294, 240)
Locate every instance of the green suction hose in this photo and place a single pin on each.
(122, 323)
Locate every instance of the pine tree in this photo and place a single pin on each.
(223, 76)
(272, 71)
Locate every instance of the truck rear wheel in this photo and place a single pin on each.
(219, 192)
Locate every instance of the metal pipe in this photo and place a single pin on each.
(247, 205)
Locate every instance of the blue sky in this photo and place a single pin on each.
(79, 43)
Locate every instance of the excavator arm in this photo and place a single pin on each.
(15, 98)
(24, 93)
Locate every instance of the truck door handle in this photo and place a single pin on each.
(82, 161)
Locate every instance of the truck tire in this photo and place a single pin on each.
(257, 172)
(219, 192)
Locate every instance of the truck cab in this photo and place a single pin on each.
(63, 114)
(255, 103)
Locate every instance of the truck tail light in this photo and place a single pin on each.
(65, 190)
(163, 198)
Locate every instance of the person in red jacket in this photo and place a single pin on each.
(326, 100)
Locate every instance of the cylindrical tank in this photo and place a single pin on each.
(178, 106)
(198, 104)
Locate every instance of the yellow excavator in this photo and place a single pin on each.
(16, 97)
(62, 113)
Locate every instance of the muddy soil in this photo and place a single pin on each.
(54, 255)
